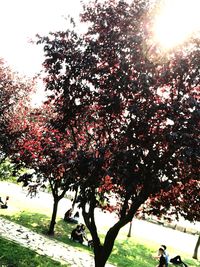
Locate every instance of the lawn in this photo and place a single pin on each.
(22, 257)
(127, 252)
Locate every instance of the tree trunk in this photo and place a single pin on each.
(53, 217)
(99, 257)
(75, 198)
(102, 253)
(195, 255)
(130, 228)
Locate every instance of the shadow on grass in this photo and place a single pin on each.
(125, 253)
(132, 254)
(40, 223)
(22, 257)
(34, 221)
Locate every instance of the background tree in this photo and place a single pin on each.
(138, 112)
(181, 200)
(14, 90)
(6, 169)
(48, 152)
(43, 142)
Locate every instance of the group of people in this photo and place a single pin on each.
(78, 234)
(71, 219)
(164, 259)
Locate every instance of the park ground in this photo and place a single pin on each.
(154, 234)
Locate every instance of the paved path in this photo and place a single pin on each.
(45, 246)
(144, 231)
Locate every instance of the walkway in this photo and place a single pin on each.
(176, 241)
(45, 246)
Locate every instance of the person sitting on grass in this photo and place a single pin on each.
(166, 254)
(4, 205)
(89, 242)
(162, 259)
(76, 234)
(1, 201)
(76, 217)
(68, 215)
(84, 236)
(71, 219)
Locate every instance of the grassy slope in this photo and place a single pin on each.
(125, 253)
(22, 257)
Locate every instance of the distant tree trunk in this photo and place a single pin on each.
(53, 217)
(195, 255)
(130, 228)
(75, 198)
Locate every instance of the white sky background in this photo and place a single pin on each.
(20, 20)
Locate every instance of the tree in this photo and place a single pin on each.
(25, 136)
(181, 200)
(14, 90)
(195, 255)
(6, 169)
(136, 112)
(48, 152)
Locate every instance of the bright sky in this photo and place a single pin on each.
(20, 20)
(176, 21)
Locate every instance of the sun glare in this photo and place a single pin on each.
(176, 21)
(39, 96)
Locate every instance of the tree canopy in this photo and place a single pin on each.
(14, 92)
(131, 114)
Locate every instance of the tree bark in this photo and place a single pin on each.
(130, 228)
(75, 198)
(195, 255)
(102, 253)
(99, 258)
(53, 217)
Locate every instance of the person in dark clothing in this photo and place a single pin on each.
(83, 232)
(69, 218)
(166, 254)
(178, 261)
(162, 259)
(1, 202)
(68, 215)
(4, 205)
(76, 234)
(76, 217)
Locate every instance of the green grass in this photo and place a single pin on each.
(22, 257)
(127, 252)
(40, 223)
